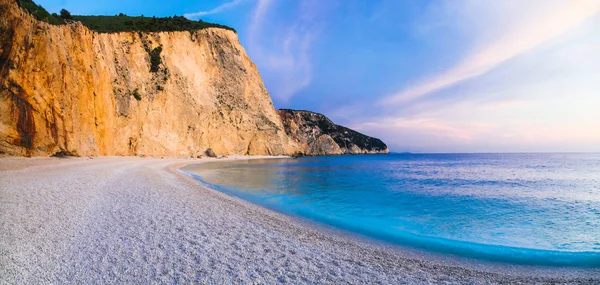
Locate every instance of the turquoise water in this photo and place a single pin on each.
(540, 209)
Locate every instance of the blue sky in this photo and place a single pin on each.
(424, 76)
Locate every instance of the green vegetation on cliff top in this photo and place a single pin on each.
(121, 22)
(39, 12)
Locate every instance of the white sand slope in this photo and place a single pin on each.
(138, 220)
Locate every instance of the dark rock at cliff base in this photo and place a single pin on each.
(315, 134)
(210, 152)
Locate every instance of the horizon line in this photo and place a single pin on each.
(512, 152)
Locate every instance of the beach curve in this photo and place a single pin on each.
(140, 220)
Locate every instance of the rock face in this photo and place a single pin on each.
(315, 134)
(67, 88)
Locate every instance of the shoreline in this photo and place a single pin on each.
(406, 251)
(262, 244)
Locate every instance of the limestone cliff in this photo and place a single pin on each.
(67, 88)
(315, 134)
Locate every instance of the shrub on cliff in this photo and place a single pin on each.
(65, 15)
(39, 12)
(155, 59)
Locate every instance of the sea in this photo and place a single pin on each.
(534, 209)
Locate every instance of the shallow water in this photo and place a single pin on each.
(541, 209)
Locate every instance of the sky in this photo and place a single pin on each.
(423, 76)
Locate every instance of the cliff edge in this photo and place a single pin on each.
(66, 88)
(315, 134)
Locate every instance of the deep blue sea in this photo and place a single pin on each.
(539, 209)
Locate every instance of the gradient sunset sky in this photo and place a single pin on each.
(424, 76)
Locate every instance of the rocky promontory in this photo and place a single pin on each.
(315, 134)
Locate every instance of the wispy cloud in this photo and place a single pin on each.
(283, 50)
(262, 6)
(548, 22)
(216, 10)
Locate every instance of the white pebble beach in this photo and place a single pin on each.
(116, 220)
